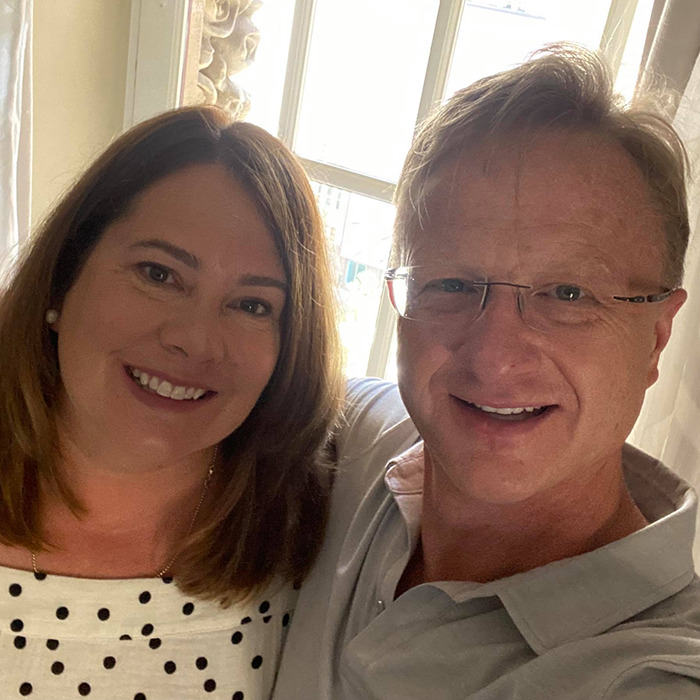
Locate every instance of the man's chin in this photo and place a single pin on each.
(494, 478)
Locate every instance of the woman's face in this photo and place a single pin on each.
(172, 329)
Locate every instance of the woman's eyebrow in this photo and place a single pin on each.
(192, 261)
(263, 281)
(175, 251)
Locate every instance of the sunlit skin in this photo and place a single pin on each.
(188, 286)
(502, 497)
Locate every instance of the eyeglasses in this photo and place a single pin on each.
(433, 294)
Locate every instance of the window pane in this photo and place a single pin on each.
(498, 34)
(359, 230)
(365, 76)
(632, 56)
(263, 79)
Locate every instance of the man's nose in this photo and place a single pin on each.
(498, 342)
(196, 333)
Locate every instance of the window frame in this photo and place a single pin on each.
(156, 60)
(157, 49)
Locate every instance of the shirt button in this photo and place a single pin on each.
(380, 605)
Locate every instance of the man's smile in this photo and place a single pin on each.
(515, 411)
(505, 414)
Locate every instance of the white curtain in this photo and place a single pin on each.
(669, 424)
(15, 123)
(672, 44)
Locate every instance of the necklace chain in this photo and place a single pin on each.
(207, 479)
(195, 515)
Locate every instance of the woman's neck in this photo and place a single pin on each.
(131, 523)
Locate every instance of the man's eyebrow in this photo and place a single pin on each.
(263, 281)
(175, 251)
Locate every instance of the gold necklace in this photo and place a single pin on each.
(173, 559)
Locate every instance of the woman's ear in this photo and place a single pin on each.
(52, 318)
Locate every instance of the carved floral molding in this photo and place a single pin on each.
(222, 42)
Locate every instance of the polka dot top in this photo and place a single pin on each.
(134, 639)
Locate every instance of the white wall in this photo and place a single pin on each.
(80, 57)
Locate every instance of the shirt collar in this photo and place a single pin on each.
(404, 478)
(587, 594)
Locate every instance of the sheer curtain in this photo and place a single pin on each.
(672, 43)
(15, 123)
(669, 425)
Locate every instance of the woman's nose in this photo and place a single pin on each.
(195, 333)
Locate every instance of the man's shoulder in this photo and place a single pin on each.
(680, 611)
(371, 399)
(662, 649)
(374, 418)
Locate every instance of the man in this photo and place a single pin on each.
(503, 543)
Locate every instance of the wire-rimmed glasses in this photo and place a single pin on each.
(434, 294)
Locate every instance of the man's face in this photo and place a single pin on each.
(559, 208)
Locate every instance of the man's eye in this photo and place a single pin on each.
(568, 292)
(451, 285)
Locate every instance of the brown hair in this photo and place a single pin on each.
(271, 506)
(562, 86)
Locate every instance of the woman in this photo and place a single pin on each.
(169, 376)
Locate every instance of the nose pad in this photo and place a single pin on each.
(497, 344)
(520, 302)
(517, 292)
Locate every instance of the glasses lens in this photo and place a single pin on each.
(432, 295)
(442, 296)
(560, 306)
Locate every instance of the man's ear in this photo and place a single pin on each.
(662, 330)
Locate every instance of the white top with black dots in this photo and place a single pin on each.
(134, 639)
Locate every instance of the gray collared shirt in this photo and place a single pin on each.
(619, 623)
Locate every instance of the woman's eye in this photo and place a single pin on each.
(255, 307)
(155, 273)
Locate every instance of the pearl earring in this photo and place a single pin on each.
(51, 316)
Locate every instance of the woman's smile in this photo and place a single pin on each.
(163, 387)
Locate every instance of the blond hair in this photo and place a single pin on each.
(563, 87)
(271, 506)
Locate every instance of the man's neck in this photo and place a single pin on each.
(470, 541)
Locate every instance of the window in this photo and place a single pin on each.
(344, 82)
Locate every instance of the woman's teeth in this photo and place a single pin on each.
(165, 388)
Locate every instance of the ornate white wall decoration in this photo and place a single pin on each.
(222, 42)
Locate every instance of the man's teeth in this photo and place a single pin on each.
(165, 388)
(509, 411)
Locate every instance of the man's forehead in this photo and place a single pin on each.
(571, 259)
(510, 163)
(579, 195)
